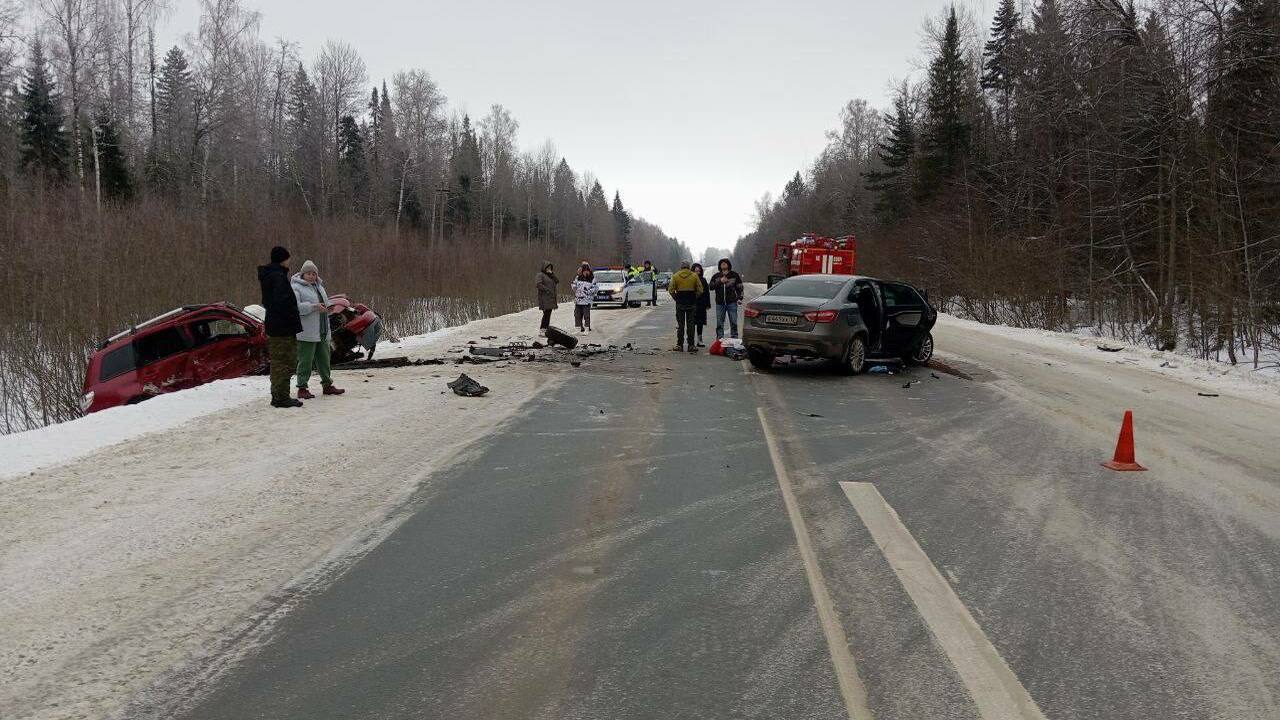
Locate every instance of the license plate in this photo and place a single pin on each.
(781, 319)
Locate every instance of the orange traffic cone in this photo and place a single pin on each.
(1124, 459)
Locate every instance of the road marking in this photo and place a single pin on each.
(851, 688)
(995, 689)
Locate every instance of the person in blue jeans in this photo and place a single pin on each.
(727, 286)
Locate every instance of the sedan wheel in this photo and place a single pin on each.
(923, 351)
(855, 359)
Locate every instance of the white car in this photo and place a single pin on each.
(612, 287)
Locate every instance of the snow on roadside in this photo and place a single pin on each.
(152, 556)
(56, 444)
(1217, 376)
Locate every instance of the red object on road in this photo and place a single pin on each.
(1124, 459)
(812, 253)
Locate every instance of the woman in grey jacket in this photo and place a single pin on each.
(313, 341)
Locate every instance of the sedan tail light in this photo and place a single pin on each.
(751, 311)
(821, 316)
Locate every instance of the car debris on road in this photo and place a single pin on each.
(466, 386)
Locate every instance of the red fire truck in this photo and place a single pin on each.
(812, 253)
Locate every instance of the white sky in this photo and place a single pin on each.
(692, 109)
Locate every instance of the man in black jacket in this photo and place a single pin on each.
(283, 325)
(727, 286)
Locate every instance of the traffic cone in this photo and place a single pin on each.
(1124, 459)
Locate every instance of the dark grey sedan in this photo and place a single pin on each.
(851, 320)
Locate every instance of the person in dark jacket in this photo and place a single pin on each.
(282, 324)
(546, 282)
(704, 303)
(685, 289)
(727, 285)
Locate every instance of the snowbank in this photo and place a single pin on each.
(56, 444)
(172, 526)
(1219, 376)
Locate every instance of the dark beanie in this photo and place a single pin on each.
(279, 254)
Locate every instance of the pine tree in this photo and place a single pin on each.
(42, 138)
(622, 228)
(948, 135)
(1000, 57)
(896, 153)
(794, 189)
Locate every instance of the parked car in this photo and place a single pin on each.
(851, 320)
(664, 280)
(613, 286)
(183, 348)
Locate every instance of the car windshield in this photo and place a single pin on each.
(608, 276)
(808, 287)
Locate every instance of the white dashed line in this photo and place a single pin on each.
(994, 688)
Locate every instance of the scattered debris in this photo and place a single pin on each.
(556, 336)
(1167, 364)
(1205, 394)
(880, 370)
(488, 351)
(489, 337)
(935, 376)
(466, 386)
(807, 414)
(909, 383)
(391, 362)
(1110, 348)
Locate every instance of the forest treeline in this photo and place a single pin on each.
(135, 178)
(1090, 164)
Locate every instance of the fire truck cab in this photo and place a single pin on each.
(814, 254)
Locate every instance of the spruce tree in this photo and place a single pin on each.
(948, 135)
(622, 228)
(113, 169)
(170, 161)
(466, 176)
(896, 152)
(42, 139)
(1000, 56)
(352, 168)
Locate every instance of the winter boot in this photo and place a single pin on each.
(332, 390)
(305, 394)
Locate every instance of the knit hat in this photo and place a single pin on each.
(307, 267)
(684, 264)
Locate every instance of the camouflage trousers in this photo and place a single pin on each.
(284, 360)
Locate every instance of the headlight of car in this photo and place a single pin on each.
(86, 401)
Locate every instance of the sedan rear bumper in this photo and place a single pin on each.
(825, 340)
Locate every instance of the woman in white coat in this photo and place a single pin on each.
(313, 341)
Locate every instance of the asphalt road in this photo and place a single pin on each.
(678, 536)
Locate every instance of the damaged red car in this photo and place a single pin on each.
(197, 344)
(183, 348)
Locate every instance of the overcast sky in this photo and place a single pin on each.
(693, 109)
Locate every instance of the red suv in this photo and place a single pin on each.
(180, 349)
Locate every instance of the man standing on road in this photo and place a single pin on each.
(685, 288)
(727, 285)
(650, 276)
(282, 324)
